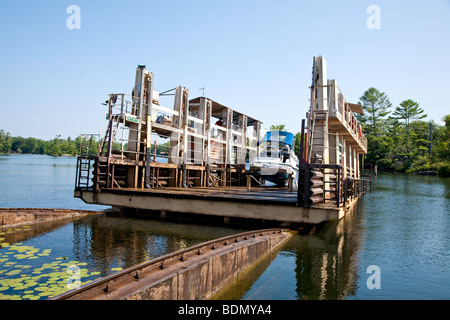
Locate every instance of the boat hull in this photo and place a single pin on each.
(273, 171)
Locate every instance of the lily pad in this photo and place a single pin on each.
(13, 272)
(20, 287)
(116, 269)
(41, 289)
(44, 294)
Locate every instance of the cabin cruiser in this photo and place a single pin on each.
(277, 159)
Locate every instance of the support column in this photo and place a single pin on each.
(134, 137)
(185, 104)
(149, 129)
(319, 110)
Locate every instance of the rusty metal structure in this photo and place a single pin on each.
(332, 147)
(205, 167)
(207, 142)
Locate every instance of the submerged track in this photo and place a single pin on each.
(97, 289)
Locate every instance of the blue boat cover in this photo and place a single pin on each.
(284, 137)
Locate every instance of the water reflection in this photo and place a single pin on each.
(327, 263)
(321, 265)
(108, 240)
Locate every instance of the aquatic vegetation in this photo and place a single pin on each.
(38, 280)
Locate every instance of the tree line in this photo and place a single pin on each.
(399, 139)
(58, 146)
(54, 147)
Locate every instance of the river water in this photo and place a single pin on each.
(395, 244)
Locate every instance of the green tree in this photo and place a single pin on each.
(30, 145)
(375, 105)
(17, 144)
(298, 140)
(408, 110)
(93, 146)
(279, 127)
(43, 147)
(5, 141)
(54, 148)
(440, 148)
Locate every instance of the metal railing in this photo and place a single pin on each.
(85, 177)
(340, 110)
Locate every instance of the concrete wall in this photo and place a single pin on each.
(19, 217)
(200, 276)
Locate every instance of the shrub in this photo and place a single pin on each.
(443, 169)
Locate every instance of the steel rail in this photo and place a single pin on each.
(134, 270)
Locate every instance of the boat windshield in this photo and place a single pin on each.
(283, 137)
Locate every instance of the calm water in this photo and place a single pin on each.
(402, 227)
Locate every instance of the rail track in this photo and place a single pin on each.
(133, 275)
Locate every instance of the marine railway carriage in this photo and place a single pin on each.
(208, 143)
(202, 168)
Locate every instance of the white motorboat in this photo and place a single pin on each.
(277, 159)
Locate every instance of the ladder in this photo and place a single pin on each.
(110, 136)
(319, 131)
(316, 146)
(84, 178)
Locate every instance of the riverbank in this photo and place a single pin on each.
(16, 217)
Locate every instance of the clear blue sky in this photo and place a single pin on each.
(253, 56)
